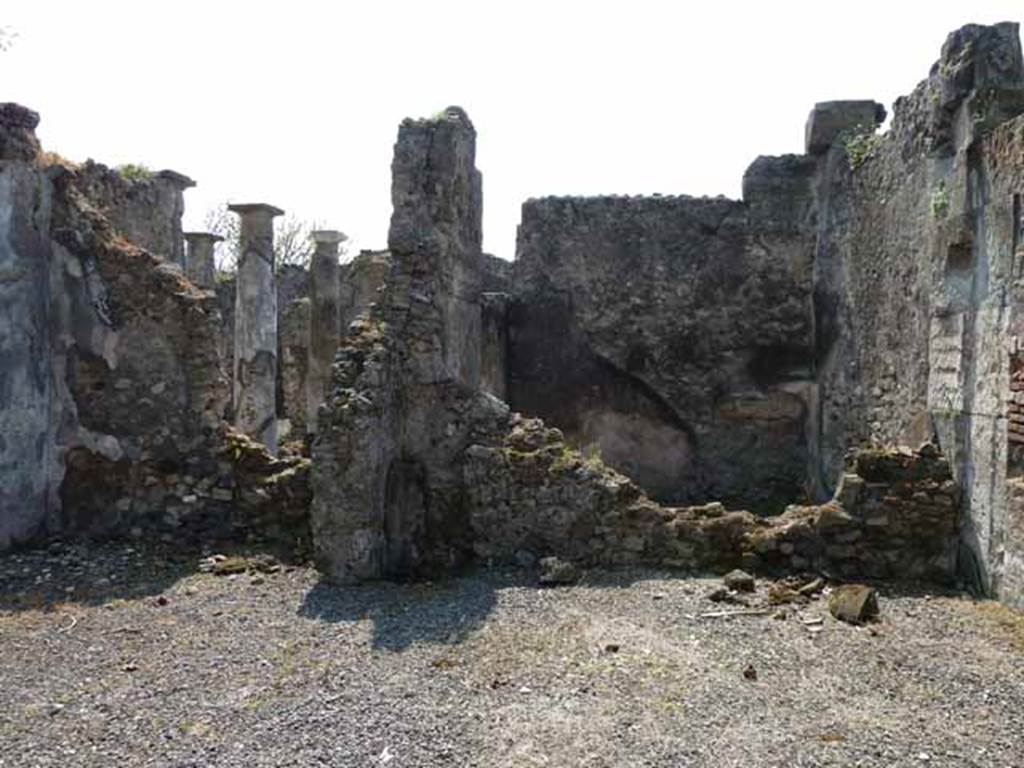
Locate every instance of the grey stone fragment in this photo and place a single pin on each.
(853, 603)
(554, 571)
(830, 119)
(739, 581)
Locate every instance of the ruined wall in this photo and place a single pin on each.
(27, 427)
(387, 485)
(112, 387)
(674, 334)
(494, 313)
(137, 367)
(914, 285)
(146, 208)
(360, 280)
(530, 495)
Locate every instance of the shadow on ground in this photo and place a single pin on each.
(94, 573)
(440, 612)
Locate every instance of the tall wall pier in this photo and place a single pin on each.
(27, 422)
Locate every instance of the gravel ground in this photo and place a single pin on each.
(148, 662)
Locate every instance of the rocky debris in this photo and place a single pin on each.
(739, 581)
(812, 587)
(853, 603)
(553, 571)
(750, 672)
(725, 595)
(227, 565)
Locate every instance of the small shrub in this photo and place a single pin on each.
(860, 144)
(134, 172)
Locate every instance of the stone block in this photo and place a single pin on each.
(829, 119)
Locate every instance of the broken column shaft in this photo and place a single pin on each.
(255, 365)
(201, 269)
(325, 319)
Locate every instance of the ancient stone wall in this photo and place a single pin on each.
(113, 381)
(361, 279)
(387, 484)
(27, 423)
(673, 334)
(530, 495)
(146, 208)
(914, 283)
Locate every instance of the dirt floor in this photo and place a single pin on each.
(120, 656)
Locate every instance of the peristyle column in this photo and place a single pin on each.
(255, 365)
(201, 268)
(325, 318)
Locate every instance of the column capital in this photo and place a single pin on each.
(327, 236)
(244, 209)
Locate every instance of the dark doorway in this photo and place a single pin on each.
(405, 518)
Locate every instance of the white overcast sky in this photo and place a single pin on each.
(297, 103)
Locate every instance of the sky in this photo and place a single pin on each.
(297, 103)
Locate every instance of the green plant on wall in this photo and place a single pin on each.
(940, 201)
(860, 144)
(134, 172)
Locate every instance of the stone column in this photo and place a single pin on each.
(201, 268)
(174, 184)
(255, 368)
(325, 319)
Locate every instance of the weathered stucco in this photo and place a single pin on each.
(27, 424)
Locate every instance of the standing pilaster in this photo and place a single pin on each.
(255, 365)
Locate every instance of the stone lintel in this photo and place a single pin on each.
(243, 209)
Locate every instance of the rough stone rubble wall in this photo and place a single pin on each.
(388, 494)
(916, 300)
(27, 423)
(112, 374)
(416, 470)
(145, 209)
(530, 495)
(674, 334)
